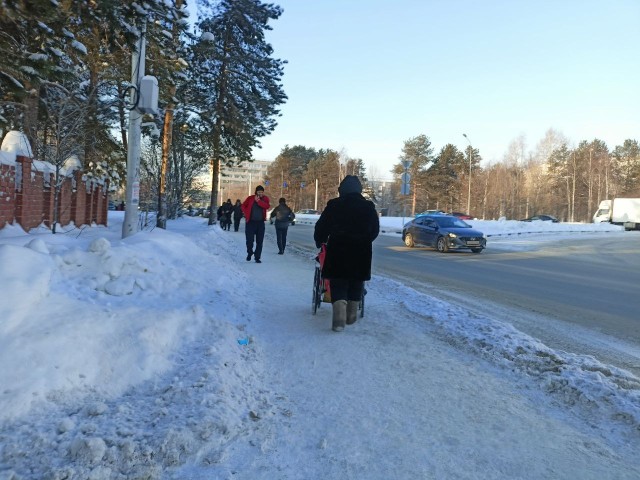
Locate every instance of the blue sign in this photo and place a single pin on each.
(266, 182)
(302, 184)
(284, 184)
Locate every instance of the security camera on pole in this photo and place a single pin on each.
(144, 99)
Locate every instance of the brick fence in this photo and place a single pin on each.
(27, 196)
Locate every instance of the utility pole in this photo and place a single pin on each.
(132, 193)
(144, 99)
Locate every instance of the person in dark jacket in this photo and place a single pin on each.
(348, 225)
(283, 216)
(227, 210)
(221, 217)
(254, 209)
(237, 215)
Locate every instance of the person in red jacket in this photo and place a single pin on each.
(254, 209)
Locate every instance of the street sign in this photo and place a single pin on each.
(406, 163)
(405, 177)
(404, 189)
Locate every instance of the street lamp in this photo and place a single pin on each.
(469, 194)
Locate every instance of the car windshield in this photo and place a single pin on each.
(451, 222)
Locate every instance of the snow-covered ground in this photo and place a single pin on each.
(168, 356)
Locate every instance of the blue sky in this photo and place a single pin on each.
(363, 76)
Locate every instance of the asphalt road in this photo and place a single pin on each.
(580, 295)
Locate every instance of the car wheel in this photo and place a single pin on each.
(442, 245)
(408, 240)
(476, 250)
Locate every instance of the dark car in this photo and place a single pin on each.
(544, 218)
(444, 232)
(308, 211)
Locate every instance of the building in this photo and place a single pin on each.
(243, 178)
(238, 181)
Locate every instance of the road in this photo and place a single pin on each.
(580, 295)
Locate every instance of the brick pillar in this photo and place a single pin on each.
(64, 202)
(7, 194)
(23, 179)
(78, 199)
(48, 197)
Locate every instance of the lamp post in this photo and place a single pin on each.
(469, 193)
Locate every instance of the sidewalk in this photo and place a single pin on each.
(391, 397)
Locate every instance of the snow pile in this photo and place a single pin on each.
(610, 393)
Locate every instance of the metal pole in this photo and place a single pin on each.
(132, 192)
(315, 205)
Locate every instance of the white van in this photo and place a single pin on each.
(604, 212)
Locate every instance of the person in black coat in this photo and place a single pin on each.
(237, 215)
(221, 217)
(348, 225)
(227, 210)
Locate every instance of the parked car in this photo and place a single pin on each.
(308, 211)
(444, 232)
(544, 218)
(462, 216)
(112, 205)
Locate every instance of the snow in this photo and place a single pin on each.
(79, 46)
(167, 356)
(16, 143)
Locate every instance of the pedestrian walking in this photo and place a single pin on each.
(283, 216)
(227, 210)
(348, 226)
(237, 215)
(254, 209)
(221, 218)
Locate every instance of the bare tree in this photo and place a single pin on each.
(62, 142)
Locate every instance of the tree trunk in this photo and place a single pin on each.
(123, 123)
(30, 125)
(166, 149)
(217, 132)
(166, 146)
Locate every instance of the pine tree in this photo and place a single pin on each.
(419, 152)
(445, 177)
(236, 82)
(626, 167)
(33, 42)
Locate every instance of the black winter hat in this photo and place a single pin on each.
(350, 184)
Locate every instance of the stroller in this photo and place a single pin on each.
(321, 291)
